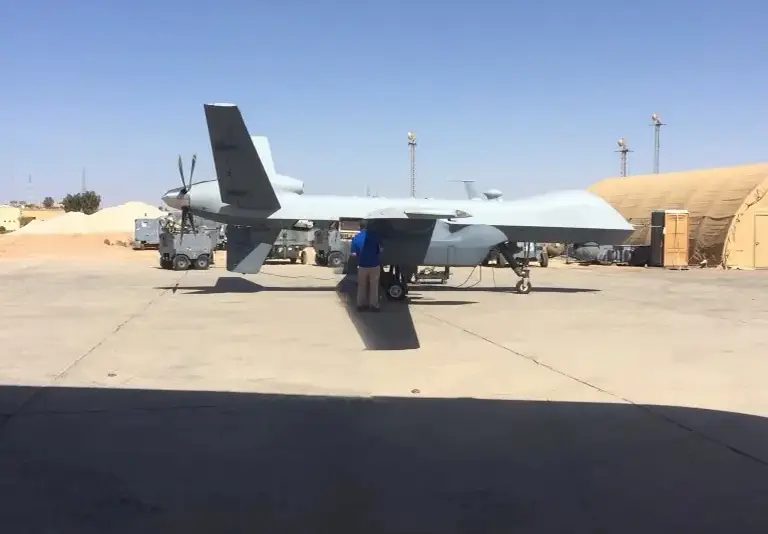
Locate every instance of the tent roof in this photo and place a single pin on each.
(712, 197)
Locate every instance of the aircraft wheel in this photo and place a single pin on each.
(396, 291)
(293, 260)
(303, 257)
(335, 260)
(544, 259)
(523, 286)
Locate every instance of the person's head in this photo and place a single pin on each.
(363, 225)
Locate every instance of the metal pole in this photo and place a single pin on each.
(412, 148)
(623, 151)
(657, 124)
(82, 181)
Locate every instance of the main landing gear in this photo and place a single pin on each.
(519, 266)
(394, 281)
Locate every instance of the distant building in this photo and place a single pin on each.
(728, 210)
(39, 214)
(10, 218)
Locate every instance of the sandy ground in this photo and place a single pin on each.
(81, 246)
(607, 400)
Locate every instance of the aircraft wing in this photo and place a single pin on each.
(407, 222)
(406, 232)
(416, 213)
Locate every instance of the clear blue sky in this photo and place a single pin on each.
(521, 96)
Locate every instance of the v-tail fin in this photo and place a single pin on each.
(265, 155)
(248, 247)
(243, 178)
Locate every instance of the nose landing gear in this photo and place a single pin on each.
(518, 265)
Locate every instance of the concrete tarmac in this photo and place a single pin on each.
(609, 399)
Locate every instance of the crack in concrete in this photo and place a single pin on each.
(643, 407)
(63, 374)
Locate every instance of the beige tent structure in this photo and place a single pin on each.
(728, 210)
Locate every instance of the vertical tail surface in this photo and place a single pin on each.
(243, 179)
(469, 187)
(261, 144)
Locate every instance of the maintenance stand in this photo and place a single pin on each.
(181, 250)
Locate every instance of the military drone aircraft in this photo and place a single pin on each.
(414, 231)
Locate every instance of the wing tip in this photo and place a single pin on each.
(220, 105)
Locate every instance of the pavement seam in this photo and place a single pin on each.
(643, 407)
(142, 311)
(62, 374)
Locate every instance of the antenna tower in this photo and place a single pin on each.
(657, 124)
(412, 149)
(623, 150)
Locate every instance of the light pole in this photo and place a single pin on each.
(657, 124)
(623, 150)
(412, 149)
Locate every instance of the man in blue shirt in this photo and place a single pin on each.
(366, 248)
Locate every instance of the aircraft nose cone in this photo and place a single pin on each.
(176, 199)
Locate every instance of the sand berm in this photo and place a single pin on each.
(108, 231)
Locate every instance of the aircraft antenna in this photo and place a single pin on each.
(623, 150)
(657, 124)
(412, 150)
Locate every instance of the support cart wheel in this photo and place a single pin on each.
(523, 286)
(202, 262)
(293, 260)
(166, 264)
(181, 263)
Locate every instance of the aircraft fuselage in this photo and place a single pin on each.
(461, 241)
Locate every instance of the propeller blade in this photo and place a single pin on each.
(181, 172)
(183, 224)
(192, 169)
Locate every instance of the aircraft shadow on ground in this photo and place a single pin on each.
(232, 284)
(501, 289)
(91, 460)
(391, 329)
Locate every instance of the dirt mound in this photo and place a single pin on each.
(117, 219)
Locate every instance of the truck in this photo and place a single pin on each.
(146, 234)
(290, 245)
(193, 250)
(332, 244)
